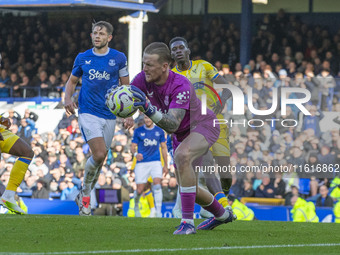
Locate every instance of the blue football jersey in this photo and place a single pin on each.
(99, 72)
(148, 142)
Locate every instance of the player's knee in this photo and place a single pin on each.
(99, 156)
(182, 158)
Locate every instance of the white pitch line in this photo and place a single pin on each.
(177, 249)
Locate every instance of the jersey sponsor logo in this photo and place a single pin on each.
(194, 71)
(98, 75)
(87, 62)
(112, 62)
(142, 134)
(149, 142)
(150, 94)
(198, 85)
(182, 97)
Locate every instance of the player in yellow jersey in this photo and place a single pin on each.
(14, 145)
(202, 75)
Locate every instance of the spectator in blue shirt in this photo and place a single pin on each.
(70, 191)
(266, 188)
(25, 131)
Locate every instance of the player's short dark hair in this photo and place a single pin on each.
(101, 24)
(175, 39)
(161, 49)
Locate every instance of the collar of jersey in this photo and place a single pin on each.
(104, 54)
(185, 70)
(149, 128)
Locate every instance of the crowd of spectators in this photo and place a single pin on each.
(285, 53)
(38, 52)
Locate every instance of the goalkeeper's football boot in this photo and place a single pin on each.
(206, 214)
(212, 222)
(11, 205)
(83, 204)
(185, 229)
(228, 207)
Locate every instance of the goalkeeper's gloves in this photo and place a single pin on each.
(144, 105)
(218, 108)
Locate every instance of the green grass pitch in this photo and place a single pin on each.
(44, 234)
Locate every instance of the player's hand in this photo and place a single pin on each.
(217, 108)
(165, 170)
(142, 102)
(69, 106)
(128, 123)
(139, 157)
(5, 122)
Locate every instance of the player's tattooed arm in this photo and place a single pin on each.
(170, 122)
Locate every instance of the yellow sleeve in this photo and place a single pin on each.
(211, 71)
(133, 165)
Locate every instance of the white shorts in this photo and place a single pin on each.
(92, 126)
(145, 169)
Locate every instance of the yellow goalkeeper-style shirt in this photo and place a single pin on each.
(202, 74)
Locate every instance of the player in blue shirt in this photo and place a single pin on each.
(148, 138)
(100, 68)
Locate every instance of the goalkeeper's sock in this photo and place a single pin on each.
(18, 173)
(188, 196)
(222, 199)
(149, 197)
(89, 176)
(217, 210)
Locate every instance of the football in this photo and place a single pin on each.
(120, 101)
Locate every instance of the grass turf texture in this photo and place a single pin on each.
(67, 234)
